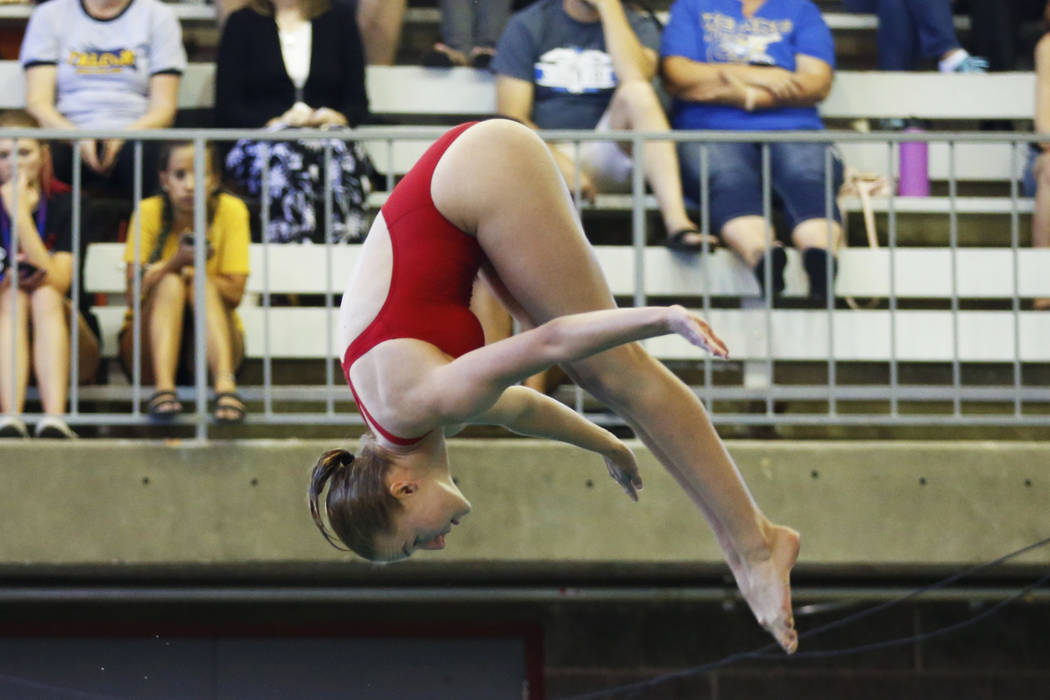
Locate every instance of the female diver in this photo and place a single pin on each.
(487, 196)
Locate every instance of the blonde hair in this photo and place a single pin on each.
(311, 8)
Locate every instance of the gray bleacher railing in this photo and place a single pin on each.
(758, 381)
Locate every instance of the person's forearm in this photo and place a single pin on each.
(576, 336)
(156, 117)
(230, 290)
(29, 242)
(736, 85)
(48, 116)
(629, 58)
(542, 416)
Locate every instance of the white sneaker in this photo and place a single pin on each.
(51, 427)
(11, 427)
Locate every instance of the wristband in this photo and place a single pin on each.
(749, 99)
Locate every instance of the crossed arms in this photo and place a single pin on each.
(748, 87)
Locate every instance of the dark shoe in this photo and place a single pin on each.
(53, 428)
(778, 260)
(229, 402)
(11, 427)
(163, 405)
(482, 57)
(815, 260)
(437, 59)
(676, 241)
(442, 56)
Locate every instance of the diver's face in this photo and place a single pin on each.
(431, 508)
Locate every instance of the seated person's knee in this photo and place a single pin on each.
(46, 299)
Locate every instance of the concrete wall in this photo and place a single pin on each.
(865, 503)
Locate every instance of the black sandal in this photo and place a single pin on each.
(163, 405)
(676, 241)
(237, 410)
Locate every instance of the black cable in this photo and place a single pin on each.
(764, 651)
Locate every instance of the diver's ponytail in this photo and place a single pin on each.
(358, 505)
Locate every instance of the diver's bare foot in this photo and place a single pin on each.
(1041, 304)
(765, 582)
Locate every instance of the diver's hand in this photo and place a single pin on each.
(619, 460)
(695, 329)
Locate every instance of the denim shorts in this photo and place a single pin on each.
(735, 179)
(1028, 181)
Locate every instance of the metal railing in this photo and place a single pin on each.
(833, 396)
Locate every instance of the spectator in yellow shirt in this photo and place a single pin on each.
(166, 254)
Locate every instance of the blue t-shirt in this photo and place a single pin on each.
(566, 61)
(716, 31)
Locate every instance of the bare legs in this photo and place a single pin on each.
(525, 222)
(163, 312)
(635, 106)
(379, 22)
(46, 313)
(747, 235)
(13, 388)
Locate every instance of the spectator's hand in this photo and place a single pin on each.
(297, 116)
(695, 329)
(782, 83)
(733, 87)
(324, 116)
(182, 259)
(89, 154)
(28, 197)
(110, 151)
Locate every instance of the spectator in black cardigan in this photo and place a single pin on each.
(296, 64)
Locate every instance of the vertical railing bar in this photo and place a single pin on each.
(74, 318)
(953, 233)
(328, 371)
(892, 242)
(389, 165)
(830, 290)
(767, 272)
(577, 176)
(1015, 243)
(264, 223)
(705, 228)
(136, 284)
(12, 272)
(200, 327)
(577, 199)
(638, 219)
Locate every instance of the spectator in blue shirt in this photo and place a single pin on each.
(757, 65)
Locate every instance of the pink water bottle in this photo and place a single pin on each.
(914, 180)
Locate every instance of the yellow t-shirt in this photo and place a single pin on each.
(228, 234)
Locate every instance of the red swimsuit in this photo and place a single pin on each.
(434, 266)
